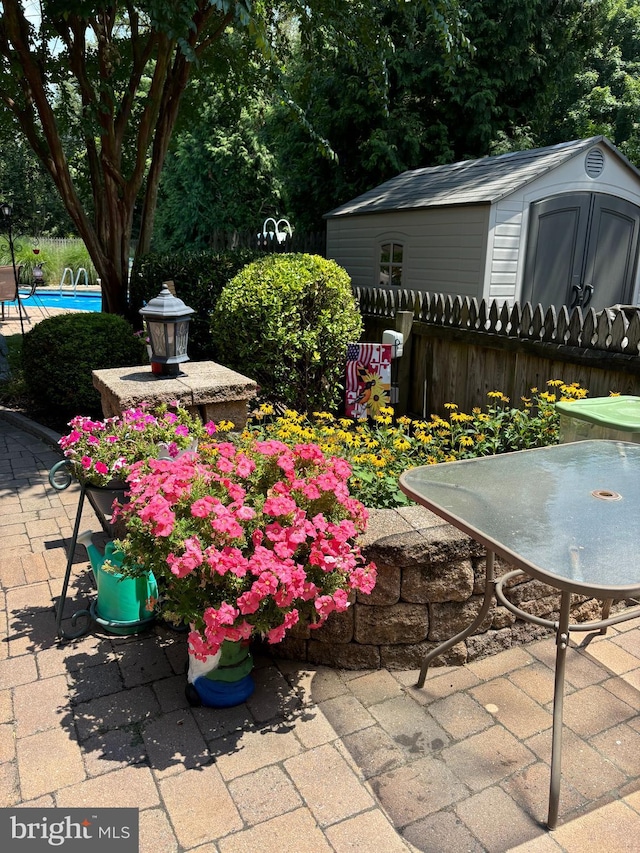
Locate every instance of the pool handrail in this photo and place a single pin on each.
(64, 275)
(73, 281)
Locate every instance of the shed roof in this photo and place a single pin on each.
(470, 181)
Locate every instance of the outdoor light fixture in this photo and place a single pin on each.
(167, 320)
(7, 214)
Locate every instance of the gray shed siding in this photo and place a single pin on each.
(465, 226)
(444, 248)
(509, 220)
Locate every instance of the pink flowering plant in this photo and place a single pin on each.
(246, 539)
(102, 451)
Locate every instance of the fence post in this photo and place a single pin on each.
(403, 324)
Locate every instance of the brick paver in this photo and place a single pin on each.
(318, 759)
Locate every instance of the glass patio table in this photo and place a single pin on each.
(568, 515)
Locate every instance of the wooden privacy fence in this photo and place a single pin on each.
(458, 349)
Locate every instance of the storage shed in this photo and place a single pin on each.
(556, 226)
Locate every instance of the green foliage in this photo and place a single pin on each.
(435, 108)
(199, 277)
(220, 173)
(12, 385)
(381, 449)
(285, 321)
(604, 95)
(37, 208)
(59, 354)
(54, 256)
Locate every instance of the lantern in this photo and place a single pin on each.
(167, 321)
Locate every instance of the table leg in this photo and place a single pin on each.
(606, 610)
(562, 641)
(486, 605)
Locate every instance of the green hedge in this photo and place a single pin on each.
(198, 277)
(59, 354)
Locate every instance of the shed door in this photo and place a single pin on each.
(582, 250)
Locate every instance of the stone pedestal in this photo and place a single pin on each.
(207, 389)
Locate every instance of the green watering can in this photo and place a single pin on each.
(124, 605)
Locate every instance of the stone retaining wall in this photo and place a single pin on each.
(430, 586)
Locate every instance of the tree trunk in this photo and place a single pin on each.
(106, 121)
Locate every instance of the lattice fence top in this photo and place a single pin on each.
(615, 329)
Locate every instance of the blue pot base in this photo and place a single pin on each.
(219, 694)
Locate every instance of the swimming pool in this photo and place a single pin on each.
(53, 299)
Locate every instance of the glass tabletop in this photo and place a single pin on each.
(569, 513)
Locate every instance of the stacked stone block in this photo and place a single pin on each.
(431, 580)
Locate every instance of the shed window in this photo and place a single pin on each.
(391, 264)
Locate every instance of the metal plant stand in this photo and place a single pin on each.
(60, 478)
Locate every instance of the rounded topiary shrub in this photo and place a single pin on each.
(59, 354)
(285, 321)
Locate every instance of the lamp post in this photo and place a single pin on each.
(7, 215)
(167, 320)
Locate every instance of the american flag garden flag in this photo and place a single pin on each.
(368, 379)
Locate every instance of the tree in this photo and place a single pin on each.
(111, 76)
(37, 207)
(125, 67)
(604, 95)
(220, 172)
(432, 111)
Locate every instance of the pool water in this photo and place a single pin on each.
(69, 300)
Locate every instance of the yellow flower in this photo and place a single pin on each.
(450, 406)
(401, 444)
(225, 426)
(266, 409)
(555, 383)
(424, 437)
(614, 393)
(465, 441)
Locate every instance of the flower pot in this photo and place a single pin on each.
(223, 680)
(101, 499)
